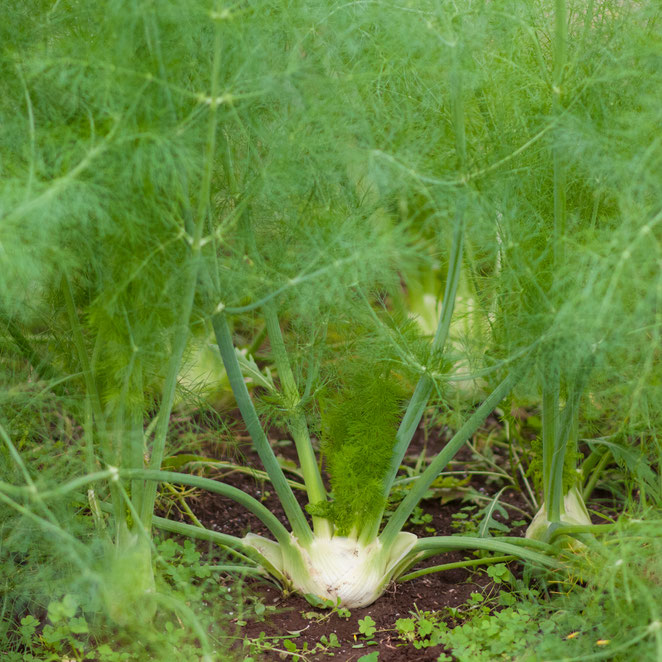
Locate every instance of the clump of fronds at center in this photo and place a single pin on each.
(359, 421)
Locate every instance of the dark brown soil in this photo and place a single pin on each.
(292, 615)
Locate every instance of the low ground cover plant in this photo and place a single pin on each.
(279, 184)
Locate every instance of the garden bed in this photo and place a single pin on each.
(269, 618)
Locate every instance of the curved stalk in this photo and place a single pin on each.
(228, 542)
(293, 511)
(423, 391)
(238, 468)
(266, 517)
(536, 545)
(437, 465)
(596, 472)
(236, 545)
(253, 505)
(441, 544)
(175, 462)
(181, 335)
(179, 345)
(453, 566)
(550, 420)
(96, 426)
(297, 420)
(70, 486)
(573, 529)
(135, 440)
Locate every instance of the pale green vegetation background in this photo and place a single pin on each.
(163, 162)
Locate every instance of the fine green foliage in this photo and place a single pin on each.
(70, 626)
(576, 277)
(169, 172)
(359, 421)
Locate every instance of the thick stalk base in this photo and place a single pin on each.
(337, 569)
(574, 512)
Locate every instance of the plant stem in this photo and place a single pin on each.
(190, 531)
(404, 510)
(253, 505)
(297, 419)
(560, 56)
(136, 443)
(93, 397)
(295, 516)
(595, 474)
(573, 529)
(230, 543)
(223, 540)
(556, 488)
(168, 397)
(425, 385)
(193, 264)
(423, 390)
(238, 468)
(441, 544)
(453, 566)
(550, 416)
(553, 447)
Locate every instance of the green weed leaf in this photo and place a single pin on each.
(367, 627)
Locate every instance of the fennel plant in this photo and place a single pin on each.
(283, 164)
(192, 206)
(577, 284)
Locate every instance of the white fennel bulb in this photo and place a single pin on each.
(339, 569)
(573, 511)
